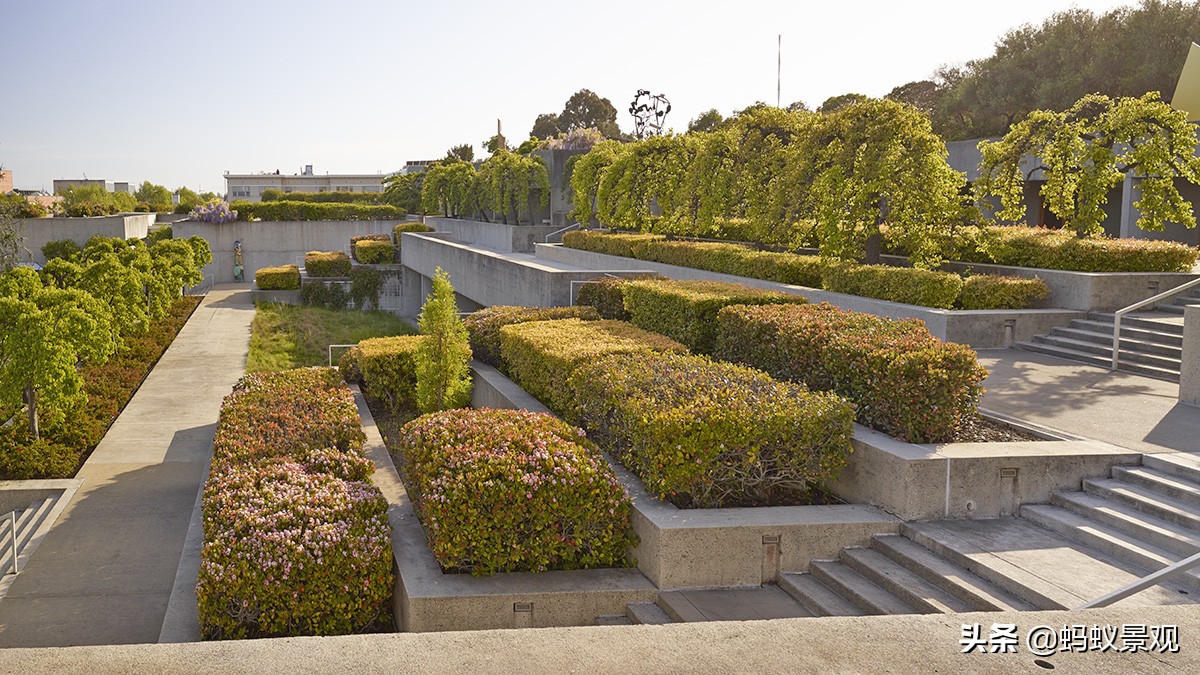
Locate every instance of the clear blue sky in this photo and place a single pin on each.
(178, 93)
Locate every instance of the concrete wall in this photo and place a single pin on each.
(37, 232)
(560, 187)
(496, 236)
(1189, 376)
(273, 243)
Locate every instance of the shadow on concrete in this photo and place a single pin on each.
(1178, 430)
(1015, 386)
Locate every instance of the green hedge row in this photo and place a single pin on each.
(289, 210)
(993, 291)
(904, 381)
(1044, 248)
(327, 264)
(484, 326)
(284, 278)
(401, 228)
(606, 296)
(375, 252)
(926, 288)
(341, 197)
(514, 491)
(296, 539)
(707, 434)
(386, 368)
(541, 355)
(686, 311)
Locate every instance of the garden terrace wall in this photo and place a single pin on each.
(40, 231)
(274, 243)
(494, 236)
(981, 329)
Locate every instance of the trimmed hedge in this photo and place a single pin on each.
(400, 228)
(338, 196)
(910, 286)
(708, 434)
(296, 541)
(372, 252)
(541, 355)
(604, 294)
(484, 326)
(514, 491)
(387, 369)
(327, 264)
(609, 243)
(993, 291)
(687, 310)
(1045, 248)
(904, 381)
(291, 210)
(284, 278)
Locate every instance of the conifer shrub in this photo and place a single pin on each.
(444, 355)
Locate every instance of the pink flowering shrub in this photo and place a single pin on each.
(296, 540)
(514, 491)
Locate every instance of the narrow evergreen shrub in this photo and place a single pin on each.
(993, 291)
(687, 310)
(443, 373)
(284, 278)
(327, 264)
(483, 327)
(514, 491)
(904, 381)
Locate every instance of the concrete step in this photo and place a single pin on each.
(1042, 567)
(1103, 362)
(1093, 340)
(978, 594)
(1134, 555)
(733, 604)
(1178, 464)
(906, 585)
(1145, 500)
(1128, 332)
(846, 582)
(613, 620)
(815, 596)
(1130, 352)
(1164, 323)
(1137, 524)
(646, 613)
(1176, 488)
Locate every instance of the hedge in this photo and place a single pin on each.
(604, 293)
(372, 252)
(339, 196)
(514, 491)
(1045, 248)
(387, 369)
(993, 291)
(296, 541)
(285, 278)
(607, 243)
(541, 355)
(910, 286)
(291, 210)
(401, 228)
(687, 310)
(904, 381)
(707, 434)
(484, 326)
(327, 264)
(365, 237)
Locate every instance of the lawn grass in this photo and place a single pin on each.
(292, 336)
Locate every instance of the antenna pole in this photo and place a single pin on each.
(778, 68)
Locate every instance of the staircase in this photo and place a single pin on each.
(28, 521)
(1151, 342)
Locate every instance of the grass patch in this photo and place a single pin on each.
(283, 337)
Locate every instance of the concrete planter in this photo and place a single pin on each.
(281, 297)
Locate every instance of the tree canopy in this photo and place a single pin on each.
(462, 152)
(584, 109)
(156, 197)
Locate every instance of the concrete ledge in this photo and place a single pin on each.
(427, 600)
(281, 297)
(981, 329)
(496, 236)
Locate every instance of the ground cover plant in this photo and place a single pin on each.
(296, 538)
(514, 491)
(290, 336)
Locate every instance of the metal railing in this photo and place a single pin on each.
(560, 232)
(12, 519)
(1165, 574)
(1120, 313)
(330, 351)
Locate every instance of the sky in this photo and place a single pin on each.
(179, 93)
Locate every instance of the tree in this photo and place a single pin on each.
(12, 244)
(585, 109)
(404, 190)
(188, 199)
(495, 144)
(507, 180)
(94, 200)
(449, 187)
(546, 126)
(924, 95)
(706, 121)
(835, 103)
(443, 375)
(1089, 149)
(157, 197)
(798, 106)
(462, 152)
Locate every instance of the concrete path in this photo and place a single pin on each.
(105, 571)
(1131, 411)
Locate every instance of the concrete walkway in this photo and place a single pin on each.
(105, 571)
(1131, 411)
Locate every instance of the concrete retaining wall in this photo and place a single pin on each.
(981, 329)
(496, 236)
(37, 232)
(274, 243)
(1189, 376)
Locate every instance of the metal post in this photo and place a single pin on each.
(13, 523)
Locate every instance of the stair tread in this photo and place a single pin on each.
(1092, 359)
(1146, 497)
(816, 596)
(1159, 482)
(613, 620)
(983, 591)
(902, 583)
(647, 613)
(1104, 339)
(734, 604)
(1179, 464)
(860, 590)
(1127, 516)
(1128, 351)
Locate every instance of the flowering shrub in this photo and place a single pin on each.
(687, 310)
(284, 278)
(541, 355)
(904, 381)
(710, 434)
(386, 368)
(296, 541)
(484, 326)
(993, 291)
(327, 264)
(514, 491)
(575, 139)
(215, 211)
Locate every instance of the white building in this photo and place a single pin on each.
(250, 186)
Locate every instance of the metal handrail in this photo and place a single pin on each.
(1116, 344)
(330, 350)
(546, 239)
(13, 520)
(1153, 579)
(577, 282)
